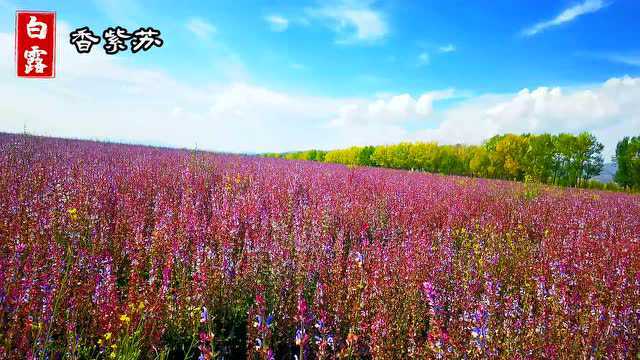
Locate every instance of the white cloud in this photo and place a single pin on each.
(277, 22)
(423, 59)
(447, 48)
(110, 98)
(97, 96)
(568, 15)
(609, 110)
(354, 21)
(389, 109)
(632, 59)
(201, 28)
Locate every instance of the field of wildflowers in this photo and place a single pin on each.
(119, 251)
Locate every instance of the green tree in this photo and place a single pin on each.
(538, 160)
(588, 157)
(509, 154)
(628, 160)
(343, 156)
(381, 156)
(480, 164)
(562, 158)
(364, 156)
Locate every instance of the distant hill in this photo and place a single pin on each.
(608, 172)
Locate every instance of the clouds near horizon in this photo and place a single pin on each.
(237, 102)
(108, 98)
(610, 110)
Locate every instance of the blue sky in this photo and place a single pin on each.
(357, 71)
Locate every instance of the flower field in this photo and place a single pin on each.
(119, 251)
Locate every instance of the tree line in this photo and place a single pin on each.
(563, 159)
(628, 159)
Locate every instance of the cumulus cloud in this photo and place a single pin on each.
(200, 27)
(609, 110)
(96, 96)
(568, 15)
(394, 109)
(277, 22)
(354, 21)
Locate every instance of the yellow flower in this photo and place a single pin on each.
(140, 306)
(114, 346)
(112, 355)
(100, 342)
(107, 336)
(125, 318)
(73, 213)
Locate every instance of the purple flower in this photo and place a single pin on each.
(330, 340)
(479, 332)
(299, 336)
(204, 315)
(258, 321)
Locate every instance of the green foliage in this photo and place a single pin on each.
(598, 185)
(272, 155)
(480, 163)
(564, 159)
(538, 159)
(130, 345)
(364, 156)
(628, 159)
(348, 156)
(531, 188)
(509, 156)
